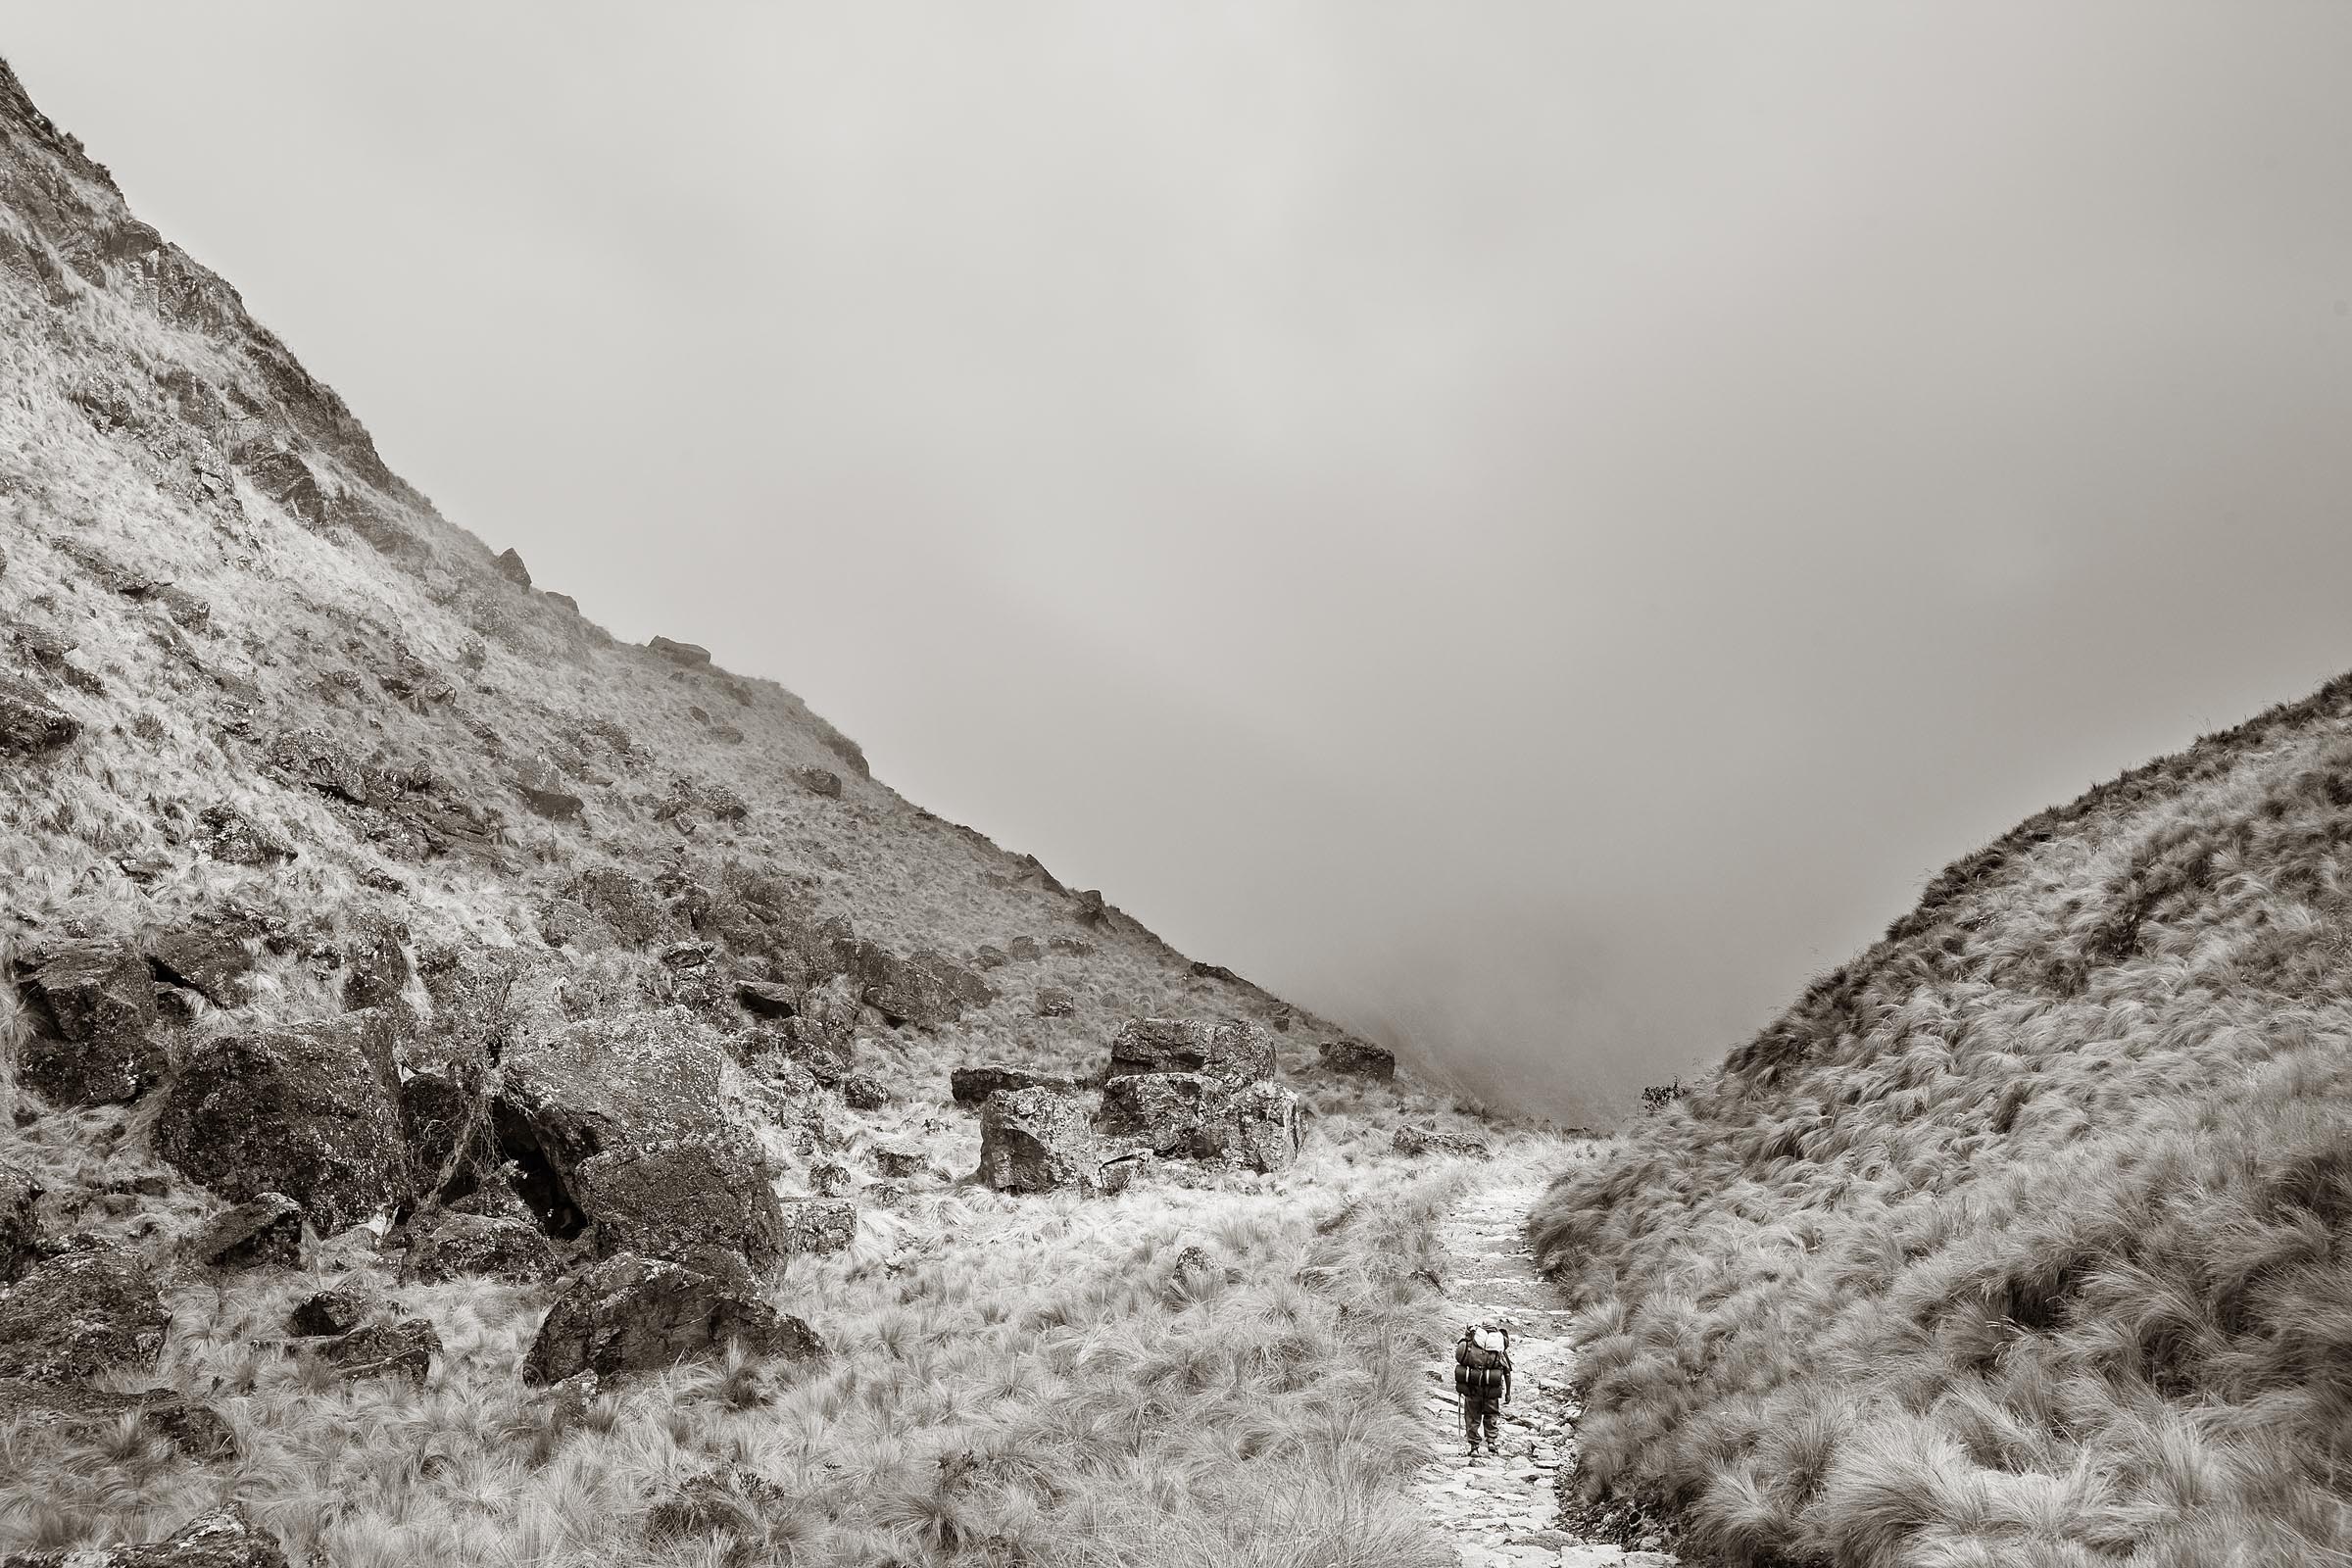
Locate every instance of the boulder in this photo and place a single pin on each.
(28, 721)
(1052, 1001)
(1037, 1140)
(1090, 909)
(264, 1232)
(20, 1220)
(456, 1245)
(1429, 1141)
(1256, 1127)
(555, 804)
(337, 1310)
(1201, 970)
(451, 1150)
(571, 605)
(819, 781)
(1074, 947)
(971, 1086)
(901, 1160)
(642, 1314)
(863, 1091)
(311, 757)
(302, 1111)
(93, 1008)
(1230, 1049)
(829, 1180)
(209, 960)
(989, 957)
(375, 964)
(225, 1538)
(668, 1198)
(80, 1313)
(195, 1431)
(230, 836)
(632, 911)
(404, 1348)
(1160, 1112)
(1358, 1059)
(511, 566)
(688, 656)
(817, 1225)
(922, 989)
(766, 998)
(1024, 949)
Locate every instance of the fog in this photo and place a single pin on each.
(1533, 528)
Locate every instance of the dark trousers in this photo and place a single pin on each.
(1487, 1411)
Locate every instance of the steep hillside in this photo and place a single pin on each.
(2020, 1239)
(427, 1020)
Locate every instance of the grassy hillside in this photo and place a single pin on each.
(269, 700)
(2021, 1238)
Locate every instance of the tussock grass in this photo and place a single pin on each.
(2021, 1239)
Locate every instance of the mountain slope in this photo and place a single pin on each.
(2021, 1238)
(378, 922)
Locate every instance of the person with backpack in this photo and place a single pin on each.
(1482, 1378)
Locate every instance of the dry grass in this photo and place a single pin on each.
(2023, 1238)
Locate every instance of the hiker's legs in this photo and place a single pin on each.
(1493, 1412)
(1477, 1415)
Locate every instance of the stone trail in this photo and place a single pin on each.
(1502, 1512)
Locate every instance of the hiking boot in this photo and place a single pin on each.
(1472, 1454)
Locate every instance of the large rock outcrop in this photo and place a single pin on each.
(302, 1111)
(971, 1086)
(20, 1220)
(30, 722)
(80, 1313)
(1230, 1049)
(92, 1006)
(1038, 1141)
(643, 1315)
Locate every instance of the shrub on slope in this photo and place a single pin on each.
(2021, 1239)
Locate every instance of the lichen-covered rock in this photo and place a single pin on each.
(667, 1198)
(20, 1220)
(230, 836)
(80, 1313)
(311, 757)
(830, 1180)
(688, 656)
(1159, 1110)
(768, 999)
(817, 1225)
(901, 1160)
(1024, 949)
(1037, 1140)
(455, 1245)
(398, 1350)
(1231, 1050)
(820, 781)
(924, 989)
(509, 567)
(28, 721)
(546, 800)
(225, 1538)
(301, 1111)
(1358, 1059)
(1256, 1127)
(1052, 1001)
(863, 1091)
(265, 1232)
(642, 1314)
(338, 1309)
(196, 1431)
(375, 964)
(987, 956)
(971, 1086)
(93, 1011)
(452, 1149)
(209, 960)
(1430, 1141)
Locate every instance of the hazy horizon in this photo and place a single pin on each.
(1534, 530)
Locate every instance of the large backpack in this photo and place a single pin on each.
(1481, 1366)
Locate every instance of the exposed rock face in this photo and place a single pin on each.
(971, 1086)
(1429, 1141)
(207, 960)
(1256, 1127)
(766, 998)
(922, 989)
(640, 1314)
(225, 1538)
(511, 568)
(375, 965)
(820, 781)
(670, 1198)
(20, 1220)
(262, 1232)
(193, 1429)
(93, 1006)
(1052, 1001)
(1091, 910)
(1024, 949)
(1037, 1140)
(689, 655)
(901, 1160)
(555, 804)
(28, 721)
(985, 956)
(1159, 1110)
(829, 1180)
(1230, 1049)
(79, 1314)
(818, 1225)
(451, 1150)
(300, 1112)
(401, 1350)
(335, 1310)
(1358, 1059)
(452, 1246)
(228, 835)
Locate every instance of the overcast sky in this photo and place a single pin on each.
(1537, 526)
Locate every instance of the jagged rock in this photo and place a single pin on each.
(453, 1245)
(670, 1199)
(80, 1313)
(642, 1314)
(683, 956)
(1075, 946)
(1358, 1059)
(335, 1310)
(767, 998)
(302, 1111)
(28, 721)
(228, 835)
(1192, 1270)
(555, 804)
(399, 1350)
(1429, 1141)
(225, 1538)
(863, 1091)
(375, 964)
(283, 478)
(1256, 1127)
(922, 989)
(988, 957)
(1024, 949)
(192, 611)
(93, 1007)
(263, 1233)
(208, 959)
(452, 1147)
(195, 1431)
(20, 1220)
(732, 1501)
(1037, 1140)
(819, 781)
(831, 1181)
(627, 906)
(817, 1225)
(570, 604)
(311, 757)
(511, 568)
(1091, 910)
(901, 1161)
(971, 1086)
(1052, 1001)
(497, 1197)
(1216, 971)
(1230, 1049)
(690, 656)
(1159, 1110)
